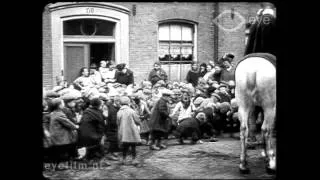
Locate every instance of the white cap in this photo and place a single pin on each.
(166, 92)
(268, 11)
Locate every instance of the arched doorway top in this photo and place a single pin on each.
(67, 5)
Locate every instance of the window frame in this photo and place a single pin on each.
(96, 28)
(180, 22)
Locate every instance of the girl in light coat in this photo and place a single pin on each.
(128, 131)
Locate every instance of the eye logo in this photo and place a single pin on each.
(228, 12)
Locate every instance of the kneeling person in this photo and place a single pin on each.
(190, 127)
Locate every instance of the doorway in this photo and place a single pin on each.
(78, 55)
(101, 51)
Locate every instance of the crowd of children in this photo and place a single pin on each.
(104, 112)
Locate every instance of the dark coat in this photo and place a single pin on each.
(124, 78)
(155, 76)
(189, 127)
(207, 128)
(232, 123)
(201, 74)
(61, 129)
(112, 127)
(92, 127)
(227, 75)
(263, 37)
(224, 97)
(71, 115)
(217, 76)
(215, 118)
(159, 116)
(192, 77)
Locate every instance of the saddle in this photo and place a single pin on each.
(270, 57)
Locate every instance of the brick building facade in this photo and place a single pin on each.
(135, 39)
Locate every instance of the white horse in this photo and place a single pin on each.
(256, 87)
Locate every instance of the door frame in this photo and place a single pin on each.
(60, 12)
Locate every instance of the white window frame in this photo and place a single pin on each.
(195, 37)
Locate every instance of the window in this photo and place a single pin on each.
(176, 43)
(88, 27)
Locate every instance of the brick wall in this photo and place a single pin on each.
(143, 32)
(46, 50)
(234, 41)
(143, 35)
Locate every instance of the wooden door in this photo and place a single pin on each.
(76, 56)
(176, 72)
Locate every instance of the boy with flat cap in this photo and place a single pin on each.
(159, 120)
(227, 72)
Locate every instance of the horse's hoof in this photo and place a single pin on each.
(244, 170)
(270, 171)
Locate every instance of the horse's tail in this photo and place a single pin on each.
(252, 85)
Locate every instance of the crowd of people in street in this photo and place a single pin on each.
(104, 112)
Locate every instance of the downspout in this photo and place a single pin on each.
(215, 33)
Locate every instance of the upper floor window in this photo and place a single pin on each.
(176, 42)
(89, 27)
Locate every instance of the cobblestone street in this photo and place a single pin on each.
(210, 160)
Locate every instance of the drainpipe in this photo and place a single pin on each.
(215, 33)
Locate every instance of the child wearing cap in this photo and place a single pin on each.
(184, 109)
(111, 132)
(220, 116)
(92, 128)
(227, 73)
(69, 111)
(223, 93)
(193, 75)
(159, 120)
(233, 123)
(128, 132)
(146, 84)
(141, 107)
(60, 129)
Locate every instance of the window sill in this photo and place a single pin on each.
(176, 62)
